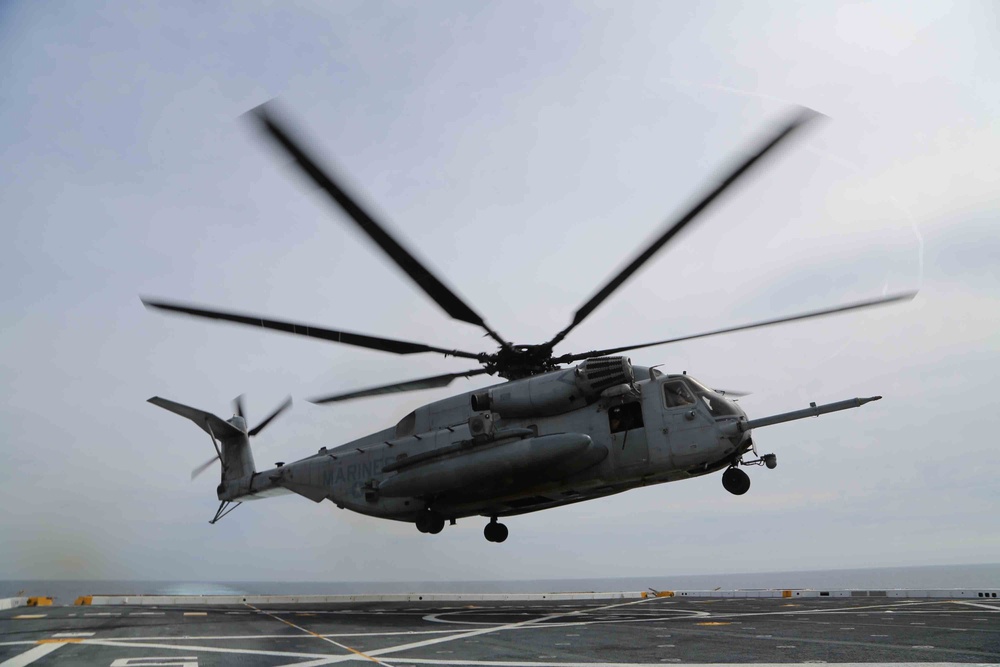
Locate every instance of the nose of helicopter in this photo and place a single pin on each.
(731, 425)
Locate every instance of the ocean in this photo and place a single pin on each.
(923, 577)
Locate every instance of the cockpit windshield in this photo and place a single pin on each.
(682, 391)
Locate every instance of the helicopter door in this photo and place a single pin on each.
(628, 435)
(688, 427)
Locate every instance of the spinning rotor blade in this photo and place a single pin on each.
(238, 406)
(801, 118)
(281, 408)
(881, 301)
(417, 272)
(411, 385)
(345, 337)
(203, 467)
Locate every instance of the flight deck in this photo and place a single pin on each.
(557, 631)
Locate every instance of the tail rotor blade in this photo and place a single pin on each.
(281, 408)
(203, 467)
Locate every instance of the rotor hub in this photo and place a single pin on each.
(518, 361)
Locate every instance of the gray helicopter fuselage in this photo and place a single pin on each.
(548, 437)
(521, 446)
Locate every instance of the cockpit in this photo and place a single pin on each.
(681, 391)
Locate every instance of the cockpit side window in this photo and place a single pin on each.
(682, 392)
(677, 395)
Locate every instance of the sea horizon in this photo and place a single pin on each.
(980, 575)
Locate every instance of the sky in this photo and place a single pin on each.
(525, 152)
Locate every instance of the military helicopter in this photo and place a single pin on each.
(562, 428)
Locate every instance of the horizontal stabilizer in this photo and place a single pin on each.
(208, 422)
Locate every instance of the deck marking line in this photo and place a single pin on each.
(25, 617)
(991, 607)
(207, 649)
(525, 663)
(286, 636)
(67, 640)
(73, 634)
(318, 636)
(28, 657)
(501, 628)
(809, 612)
(127, 662)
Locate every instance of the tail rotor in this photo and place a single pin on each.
(219, 429)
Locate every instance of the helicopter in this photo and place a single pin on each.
(561, 429)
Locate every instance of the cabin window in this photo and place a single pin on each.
(625, 417)
(677, 395)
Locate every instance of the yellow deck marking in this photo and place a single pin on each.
(27, 616)
(713, 623)
(310, 632)
(59, 641)
(196, 613)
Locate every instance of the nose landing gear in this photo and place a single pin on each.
(495, 532)
(737, 482)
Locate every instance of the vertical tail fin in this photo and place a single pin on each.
(231, 440)
(233, 446)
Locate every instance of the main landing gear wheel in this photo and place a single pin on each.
(429, 522)
(735, 481)
(495, 532)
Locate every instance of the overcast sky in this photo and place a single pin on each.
(525, 151)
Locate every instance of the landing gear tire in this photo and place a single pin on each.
(735, 481)
(429, 522)
(495, 532)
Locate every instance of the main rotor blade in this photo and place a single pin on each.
(869, 303)
(429, 283)
(238, 406)
(411, 385)
(312, 331)
(803, 116)
(203, 467)
(281, 408)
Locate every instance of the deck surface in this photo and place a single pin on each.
(556, 633)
